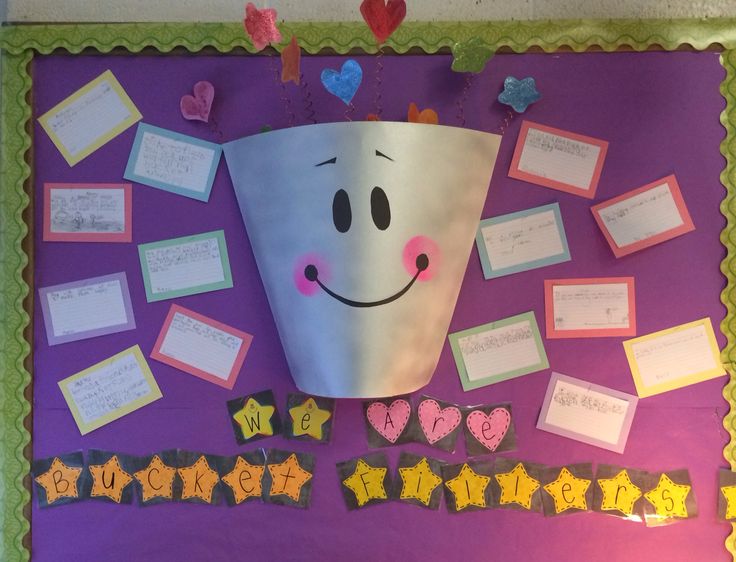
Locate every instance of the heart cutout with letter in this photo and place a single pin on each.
(389, 421)
(383, 18)
(197, 107)
(489, 429)
(437, 422)
(345, 83)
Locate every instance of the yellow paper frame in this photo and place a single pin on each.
(85, 428)
(644, 391)
(135, 116)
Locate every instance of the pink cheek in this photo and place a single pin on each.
(414, 248)
(304, 285)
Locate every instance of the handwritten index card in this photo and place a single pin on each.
(185, 266)
(558, 159)
(87, 308)
(110, 389)
(498, 351)
(673, 358)
(587, 412)
(201, 346)
(644, 217)
(589, 308)
(173, 162)
(89, 118)
(87, 212)
(522, 241)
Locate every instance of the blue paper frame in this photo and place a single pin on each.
(130, 166)
(490, 273)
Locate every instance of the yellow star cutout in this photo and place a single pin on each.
(418, 482)
(59, 481)
(156, 479)
(469, 488)
(109, 479)
(668, 498)
(254, 419)
(729, 492)
(308, 419)
(199, 480)
(568, 491)
(619, 493)
(366, 483)
(244, 480)
(517, 486)
(287, 478)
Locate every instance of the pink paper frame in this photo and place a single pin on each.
(125, 236)
(229, 382)
(552, 333)
(687, 222)
(515, 172)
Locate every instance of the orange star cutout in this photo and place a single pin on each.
(287, 478)
(244, 480)
(109, 479)
(156, 479)
(199, 480)
(59, 481)
(427, 116)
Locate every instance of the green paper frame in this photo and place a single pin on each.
(20, 43)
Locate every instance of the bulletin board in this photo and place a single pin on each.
(661, 94)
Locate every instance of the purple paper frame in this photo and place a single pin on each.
(625, 426)
(48, 324)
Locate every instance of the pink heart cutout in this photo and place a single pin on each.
(437, 422)
(489, 429)
(197, 107)
(391, 420)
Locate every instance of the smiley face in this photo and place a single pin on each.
(362, 232)
(416, 252)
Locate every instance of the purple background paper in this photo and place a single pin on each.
(660, 113)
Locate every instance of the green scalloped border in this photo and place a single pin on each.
(19, 43)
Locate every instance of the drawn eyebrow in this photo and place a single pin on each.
(379, 153)
(330, 161)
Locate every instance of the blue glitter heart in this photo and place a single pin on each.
(345, 83)
(519, 94)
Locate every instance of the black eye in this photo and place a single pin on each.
(342, 216)
(380, 210)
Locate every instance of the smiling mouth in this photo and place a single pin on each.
(312, 274)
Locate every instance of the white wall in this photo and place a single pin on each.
(322, 10)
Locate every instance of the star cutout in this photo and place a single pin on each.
(668, 498)
(252, 416)
(519, 94)
(308, 419)
(287, 478)
(260, 25)
(517, 486)
(469, 488)
(568, 491)
(109, 479)
(59, 481)
(366, 483)
(470, 56)
(619, 493)
(419, 482)
(199, 480)
(244, 480)
(156, 479)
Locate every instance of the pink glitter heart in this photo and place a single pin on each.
(197, 107)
